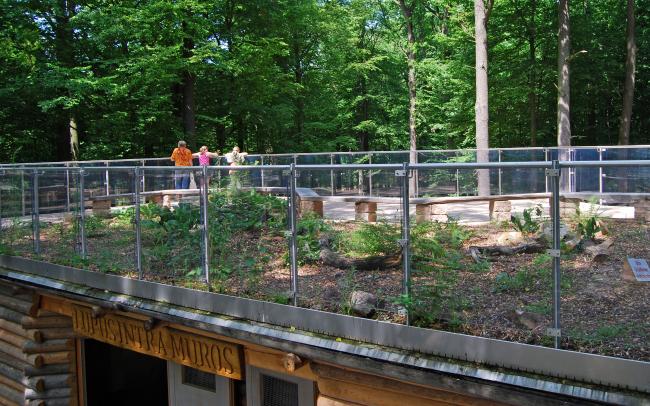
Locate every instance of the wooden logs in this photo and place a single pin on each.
(37, 353)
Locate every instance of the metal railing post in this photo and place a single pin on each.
(293, 247)
(406, 233)
(67, 188)
(370, 176)
(82, 215)
(144, 184)
(205, 225)
(500, 171)
(22, 191)
(36, 226)
(601, 174)
(262, 170)
(546, 180)
(332, 173)
(554, 175)
(107, 181)
(138, 228)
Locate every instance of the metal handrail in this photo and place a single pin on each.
(402, 171)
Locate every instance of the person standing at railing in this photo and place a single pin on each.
(235, 158)
(204, 156)
(182, 156)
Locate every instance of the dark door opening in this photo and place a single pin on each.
(115, 376)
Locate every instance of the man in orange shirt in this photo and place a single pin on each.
(182, 157)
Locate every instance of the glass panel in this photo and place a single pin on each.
(603, 304)
(475, 270)
(349, 255)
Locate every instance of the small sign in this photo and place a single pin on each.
(636, 269)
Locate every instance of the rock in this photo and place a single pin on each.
(510, 238)
(547, 230)
(401, 311)
(532, 321)
(572, 241)
(363, 303)
(599, 252)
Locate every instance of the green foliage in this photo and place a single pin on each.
(310, 228)
(526, 223)
(536, 277)
(301, 76)
(373, 239)
(587, 224)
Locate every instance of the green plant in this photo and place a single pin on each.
(588, 224)
(529, 221)
(373, 239)
(309, 230)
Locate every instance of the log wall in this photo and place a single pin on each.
(37, 352)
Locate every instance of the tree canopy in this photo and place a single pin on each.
(133, 77)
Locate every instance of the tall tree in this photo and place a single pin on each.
(630, 71)
(481, 16)
(563, 84)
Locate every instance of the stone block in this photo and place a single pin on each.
(365, 207)
(101, 207)
(369, 217)
(500, 210)
(307, 206)
(568, 208)
(430, 212)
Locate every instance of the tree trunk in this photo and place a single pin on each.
(68, 148)
(630, 69)
(532, 78)
(481, 14)
(563, 89)
(563, 85)
(188, 80)
(407, 12)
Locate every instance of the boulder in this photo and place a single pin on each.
(363, 303)
(547, 230)
(530, 320)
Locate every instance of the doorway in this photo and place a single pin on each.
(115, 376)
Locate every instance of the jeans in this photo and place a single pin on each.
(182, 179)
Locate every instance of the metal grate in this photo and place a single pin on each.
(278, 392)
(200, 379)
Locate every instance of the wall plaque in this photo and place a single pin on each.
(193, 350)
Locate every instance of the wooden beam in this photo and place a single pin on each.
(31, 347)
(25, 305)
(56, 305)
(4, 381)
(274, 361)
(327, 401)
(15, 328)
(50, 334)
(13, 339)
(355, 386)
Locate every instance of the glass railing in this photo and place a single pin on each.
(361, 235)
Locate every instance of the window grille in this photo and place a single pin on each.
(200, 379)
(278, 392)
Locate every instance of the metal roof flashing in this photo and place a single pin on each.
(410, 366)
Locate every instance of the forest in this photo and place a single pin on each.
(97, 79)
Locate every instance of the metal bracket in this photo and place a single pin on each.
(553, 253)
(403, 242)
(400, 172)
(554, 332)
(552, 172)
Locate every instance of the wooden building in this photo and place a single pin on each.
(63, 342)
